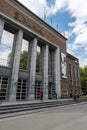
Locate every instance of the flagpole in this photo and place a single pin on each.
(57, 27)
(44, 13)
(51, 20)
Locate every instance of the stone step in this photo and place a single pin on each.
(25, 107)
(9, 110)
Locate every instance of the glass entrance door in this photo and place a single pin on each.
(37, 90)
(52, 91)
(3, 87)
(21, 89)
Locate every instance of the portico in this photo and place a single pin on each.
(19, 86)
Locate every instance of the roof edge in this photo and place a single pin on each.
(41, 19)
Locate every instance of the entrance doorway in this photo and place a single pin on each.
(37, 90)
(21, 89)
(52, 91)
(3, 87)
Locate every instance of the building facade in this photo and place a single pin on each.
(52, 75)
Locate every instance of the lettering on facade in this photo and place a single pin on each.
(26, 22)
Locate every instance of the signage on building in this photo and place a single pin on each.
(64, 92)
(25, 21)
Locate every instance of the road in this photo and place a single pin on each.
(63, 118)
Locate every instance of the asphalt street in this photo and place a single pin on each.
(64, 118)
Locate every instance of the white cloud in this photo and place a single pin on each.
(81, 39)
(35, 6)
(82, 64)
(77, 8)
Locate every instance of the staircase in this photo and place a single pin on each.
(24, 108)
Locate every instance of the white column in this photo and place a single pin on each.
(44, 62)
(1, 28)
(16, 63)
(28, 56)
(32, 67)
(56, 72)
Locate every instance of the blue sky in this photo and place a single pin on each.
(71, 17)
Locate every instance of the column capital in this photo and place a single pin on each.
(33, 40)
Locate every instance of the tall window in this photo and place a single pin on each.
(50, 63)
(38, 60)
(70, 73)
(74, 72)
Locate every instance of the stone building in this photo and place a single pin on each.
(58, 72)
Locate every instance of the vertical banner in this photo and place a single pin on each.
(63, 65)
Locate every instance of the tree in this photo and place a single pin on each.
(38, 62)
(83, 75)
(23, 60)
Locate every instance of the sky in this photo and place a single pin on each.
(68, 17)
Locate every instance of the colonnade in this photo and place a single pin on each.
(16, 53)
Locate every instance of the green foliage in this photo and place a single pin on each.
(23, 60)
(83, 75)
(9, 59)
(38, 62)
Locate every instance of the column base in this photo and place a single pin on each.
(12, 95)
(12, 98)
(45, 97)
(58, 95)
(31, 97)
